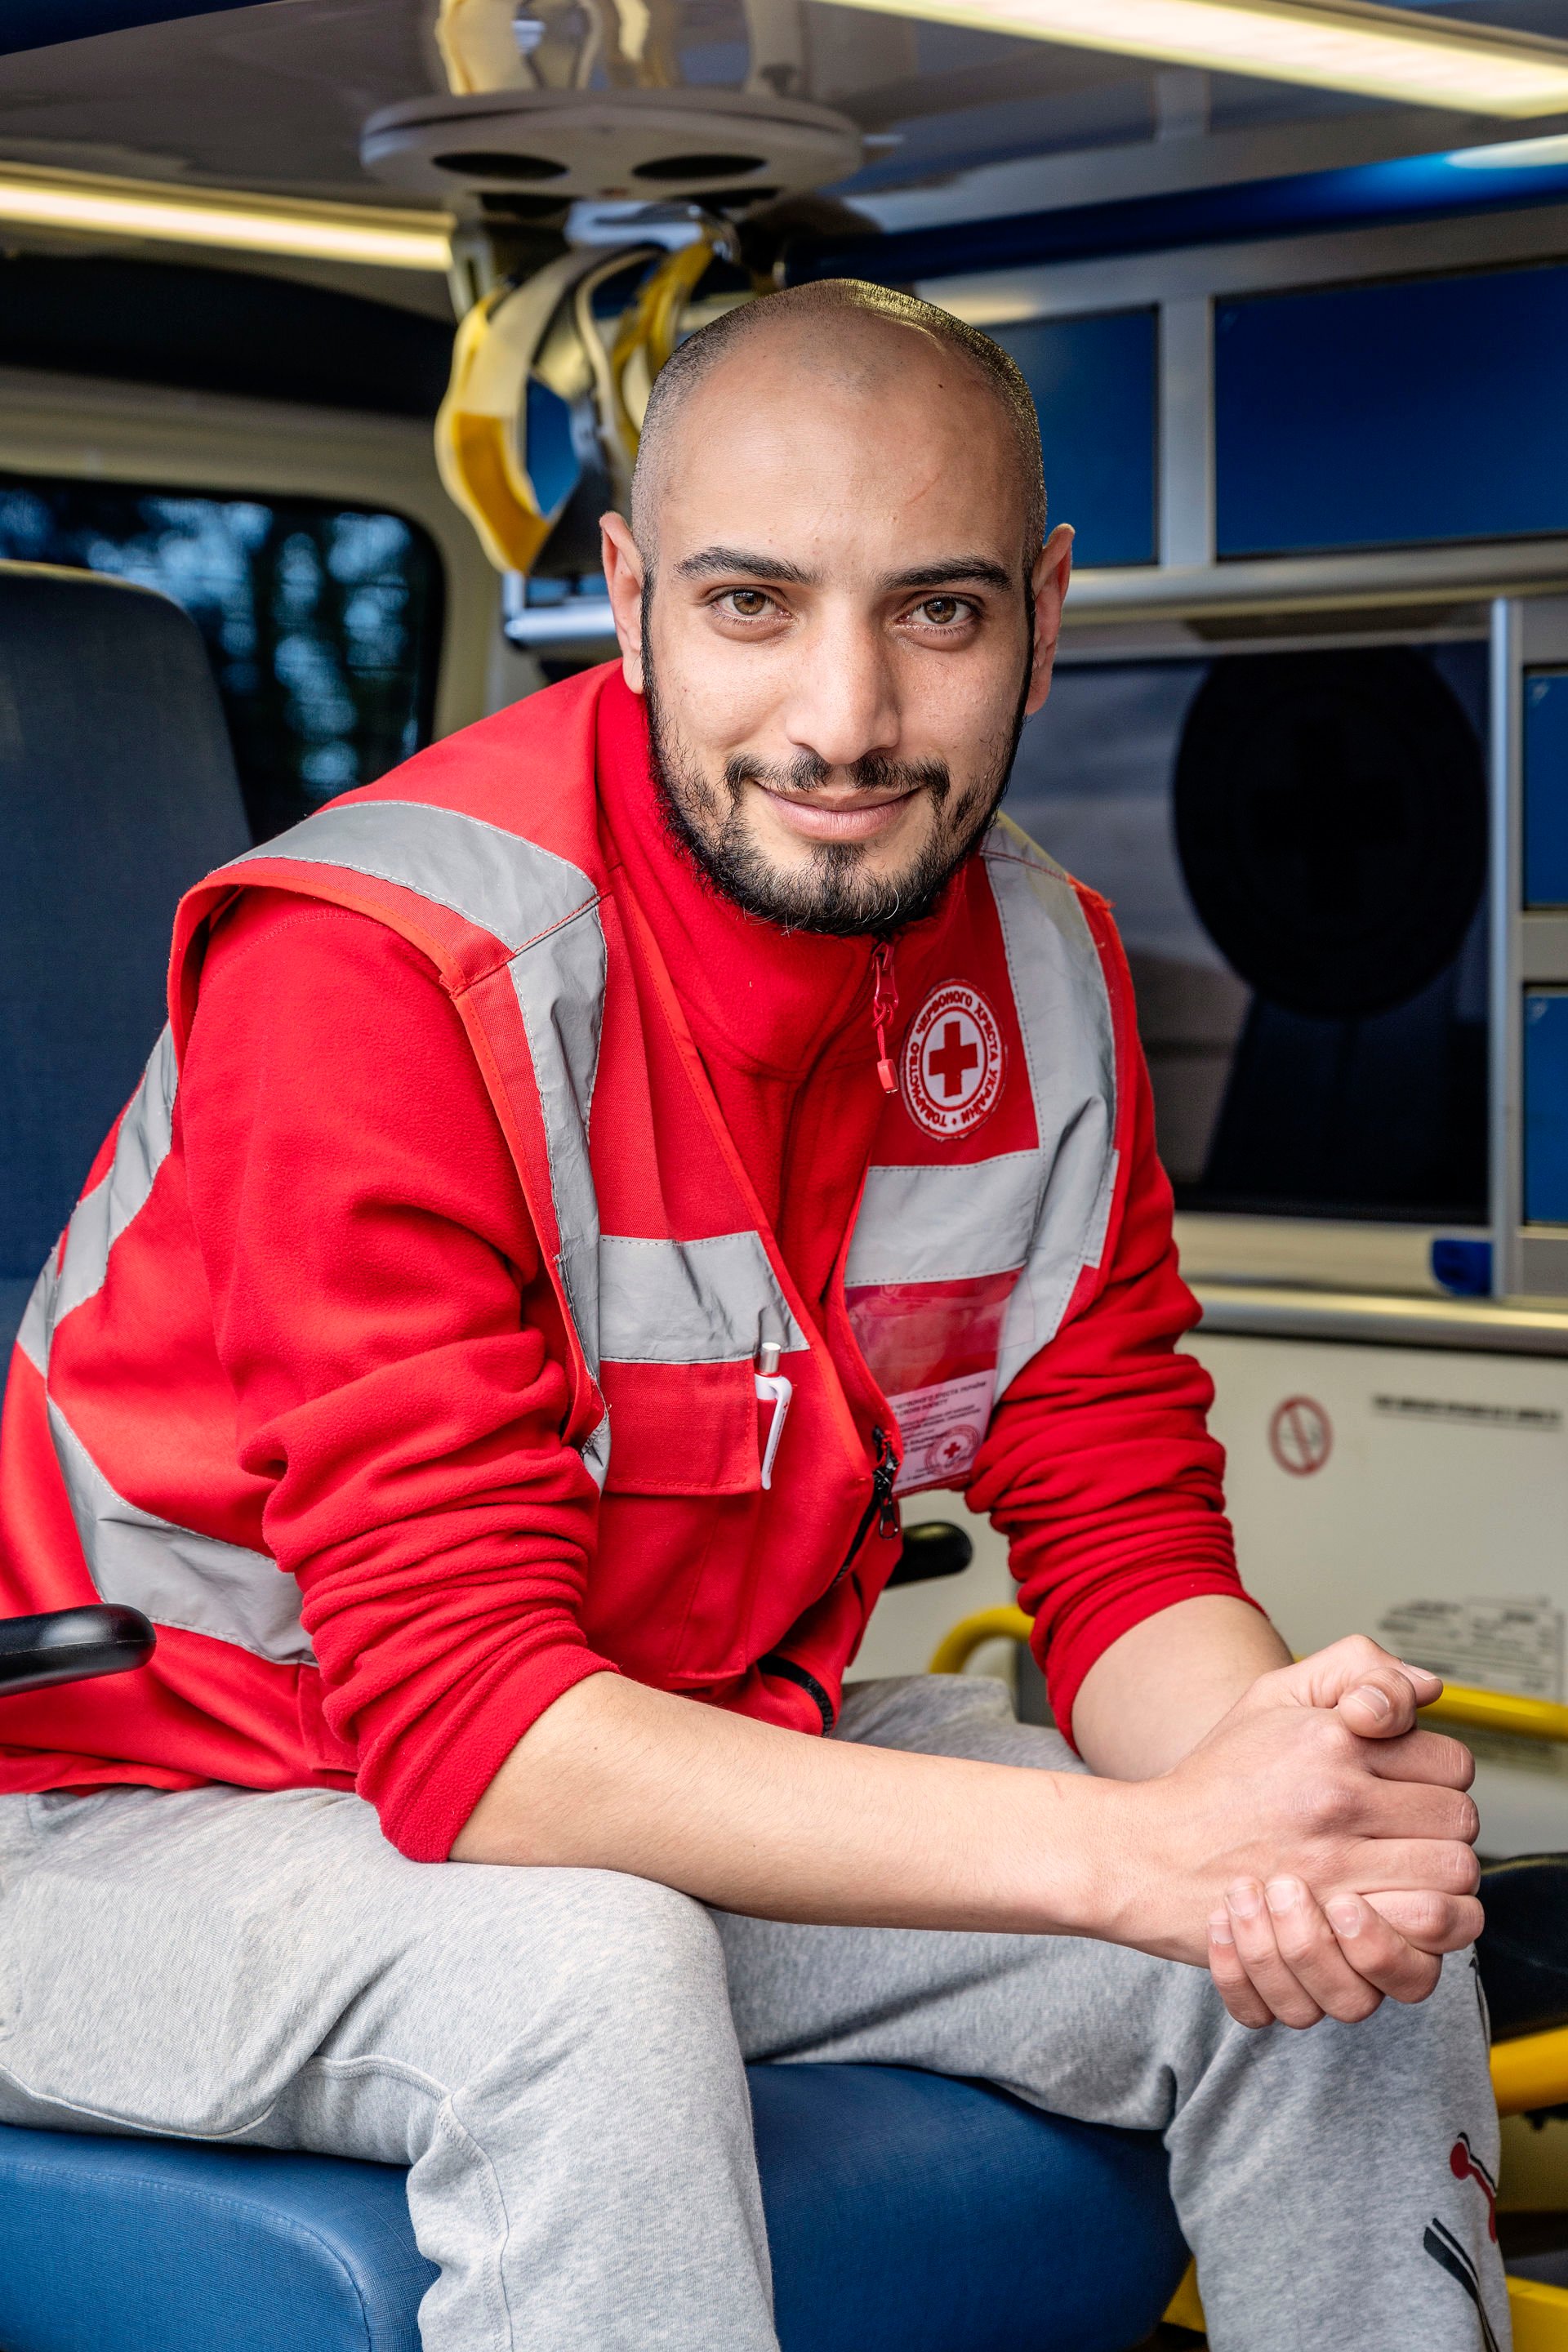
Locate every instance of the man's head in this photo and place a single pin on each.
(833, 594)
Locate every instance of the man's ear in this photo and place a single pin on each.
(1047, 589)
(623, 579)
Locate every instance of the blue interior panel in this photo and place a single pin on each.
(1351, 417)
(1546, 788)
(1094, 384)
(1546, 1106)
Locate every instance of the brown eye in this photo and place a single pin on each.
(941, 612)
(747, 603)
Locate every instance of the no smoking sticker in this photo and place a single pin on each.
(954, 1061)
(1301, 1437)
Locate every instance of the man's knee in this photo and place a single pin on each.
(578, 1957)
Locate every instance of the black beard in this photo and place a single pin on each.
(833, 895)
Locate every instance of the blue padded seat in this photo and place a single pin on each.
(905, 2213)
(116, 792)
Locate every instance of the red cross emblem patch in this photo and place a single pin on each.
(954, 1061)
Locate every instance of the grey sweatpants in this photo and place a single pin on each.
(557, 2056)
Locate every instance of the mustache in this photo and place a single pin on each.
(808, 773)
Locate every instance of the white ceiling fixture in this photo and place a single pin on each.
(1390, 53)
(733, 147)
(79, 205)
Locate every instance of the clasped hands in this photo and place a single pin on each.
(1332, 1838)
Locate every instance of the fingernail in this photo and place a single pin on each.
(1283, 1893)
(1245, 1901)
(1219, 1927)
(1370, 1695)
(1344, 1915)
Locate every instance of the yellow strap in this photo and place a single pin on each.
(481, 429)
(650, 329)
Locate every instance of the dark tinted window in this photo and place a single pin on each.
(322, 622)
(1295, 849)
(1353, 417)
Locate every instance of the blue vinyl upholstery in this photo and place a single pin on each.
(116, 792)
(905, 2213)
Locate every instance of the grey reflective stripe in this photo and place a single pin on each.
(178, 1578)
(702, 1302)
(507, 886)
(1042, 1212)
(559, 988)
(1064, 1013)
(542, 907)
(101, 1217)
(37, 1320)
(945, 1224)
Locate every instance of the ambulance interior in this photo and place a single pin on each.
(1297, 335)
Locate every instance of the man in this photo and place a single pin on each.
(678, 1087)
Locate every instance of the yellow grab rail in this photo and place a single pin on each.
(958, 1645)
(1476, 1710)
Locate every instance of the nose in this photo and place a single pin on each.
(843, 707)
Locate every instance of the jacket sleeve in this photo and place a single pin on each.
(1099, 1465)
(371, 1263)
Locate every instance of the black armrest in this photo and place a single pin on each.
(933, 1548)
(71, 1646)
(1523, 1949)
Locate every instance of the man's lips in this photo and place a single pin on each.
(819, 819)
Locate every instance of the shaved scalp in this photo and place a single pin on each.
(818, 309)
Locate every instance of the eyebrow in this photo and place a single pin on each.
(949, 573)
(710, 561)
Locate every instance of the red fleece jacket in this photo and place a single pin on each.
(370, 1255)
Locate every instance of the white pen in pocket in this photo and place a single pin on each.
(774, 1389)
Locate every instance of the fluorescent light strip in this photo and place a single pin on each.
(1385, 52)
(111, 208)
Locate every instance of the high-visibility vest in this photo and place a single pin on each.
(970, 1243)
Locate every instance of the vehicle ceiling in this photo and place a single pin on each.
(963, 124)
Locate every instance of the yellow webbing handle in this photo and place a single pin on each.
(648, 332)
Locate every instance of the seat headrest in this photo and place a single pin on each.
(116, 792)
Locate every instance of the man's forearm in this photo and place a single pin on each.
(1148, 1700)
(755, 1819)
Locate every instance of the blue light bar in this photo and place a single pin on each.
(1499, 178)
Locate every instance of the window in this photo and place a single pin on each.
(322, 622)
(1295, 845)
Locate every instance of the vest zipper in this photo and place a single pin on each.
(884, 1004)
(775, 1662)
(880, 1508)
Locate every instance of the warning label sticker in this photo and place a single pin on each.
(1496, 1645)
(942, 1427)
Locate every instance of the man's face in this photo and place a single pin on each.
(841, 639)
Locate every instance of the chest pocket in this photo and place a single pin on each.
(680, 1326)
(681, 1429)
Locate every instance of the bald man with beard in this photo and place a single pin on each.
(593, 1174)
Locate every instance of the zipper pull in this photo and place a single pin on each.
(884, 1004)
(882, 1477)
